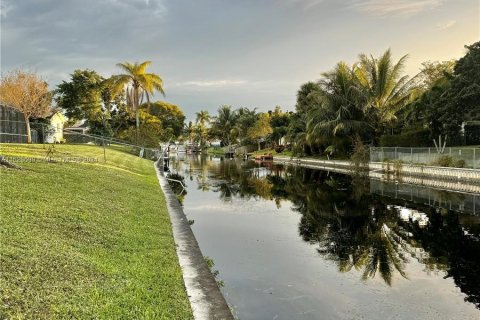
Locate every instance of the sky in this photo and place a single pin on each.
(241, 53)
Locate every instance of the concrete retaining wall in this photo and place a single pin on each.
(434, 176)
(205, 297)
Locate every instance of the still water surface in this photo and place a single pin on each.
(296, 243)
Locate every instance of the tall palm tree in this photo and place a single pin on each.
(203, 117)
(224, 123)
(341, 106)
(387, 89)
(138, 85)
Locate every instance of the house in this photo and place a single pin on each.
(56, 121)
(78, 127)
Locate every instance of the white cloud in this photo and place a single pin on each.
(394, 7)
(444, 26)
(5, 7)
(307, 4)
(212, 83)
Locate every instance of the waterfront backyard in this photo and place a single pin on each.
(299, 243)
(86, 239)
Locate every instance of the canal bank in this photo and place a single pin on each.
(205, 297)
(455, 179)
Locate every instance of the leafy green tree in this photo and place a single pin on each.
(260, 129)
(307, 99)
(279, 121)
(451, 100)
(81, 97)
(433, 71)
(170, 115)
(138, 85)
(464, 94)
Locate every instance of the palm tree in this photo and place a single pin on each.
(341, 106)
(201, 126)
(382, 81)
(138, 86)
(224, 123)
(203, 117)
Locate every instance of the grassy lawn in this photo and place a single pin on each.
(217, 151)
(285, 153)
(86, 240)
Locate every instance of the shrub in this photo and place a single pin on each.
(279, 148)
(361, 155)
(415, 138)
(448, 161)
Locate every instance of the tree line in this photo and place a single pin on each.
(369, 102)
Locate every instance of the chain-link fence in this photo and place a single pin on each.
(16, 132)
(72, 137)
(466, 157)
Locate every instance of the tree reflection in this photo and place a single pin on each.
(353, 228)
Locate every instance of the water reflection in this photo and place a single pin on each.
(355, 225)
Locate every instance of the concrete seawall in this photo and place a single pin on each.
(206, 299)
(454, 179)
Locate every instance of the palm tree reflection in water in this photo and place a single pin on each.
(355, 229)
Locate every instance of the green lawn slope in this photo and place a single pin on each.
(86, 240)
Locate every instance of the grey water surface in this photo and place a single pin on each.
(296, 243)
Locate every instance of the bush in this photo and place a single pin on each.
(280, 148)
(416, 138)
(448, 161)
(472, 133)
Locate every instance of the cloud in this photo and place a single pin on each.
(4, 9)
(394, 7)
(212, 83)
(444, 26)
(306, 4)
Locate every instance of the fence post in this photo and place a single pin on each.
(411, 154)
(474, 160)
(104, 152)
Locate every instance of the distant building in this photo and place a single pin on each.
(55, 134)
(79, 127)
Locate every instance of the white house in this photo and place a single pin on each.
(55, 134)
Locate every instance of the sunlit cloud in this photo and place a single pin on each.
(394, 7)
(444, 26)
(212, 83)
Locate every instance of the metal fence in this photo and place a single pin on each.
(16, 132)
(467, 157)
(461, 201)
(111, 143)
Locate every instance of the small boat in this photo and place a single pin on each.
(264, 157)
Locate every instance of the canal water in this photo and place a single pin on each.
(296, 243)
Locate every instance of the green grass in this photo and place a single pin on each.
(285, 153)
(217, 151)
(86, 240)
